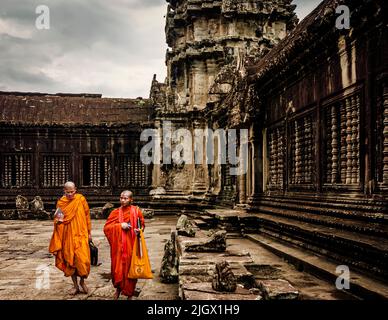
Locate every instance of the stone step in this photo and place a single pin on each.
(371, 228)
(364, 252)
(370, 212)
(335, 201)
(360, 284)
(200, 223)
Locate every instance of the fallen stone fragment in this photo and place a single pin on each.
(216, 243)
(107, 209)
(148, 213)
(204, 291)
(169, 266)
(184, 227)
(8, 214)
(223, 278)
(277, 290)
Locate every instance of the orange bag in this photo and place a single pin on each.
(140, 264)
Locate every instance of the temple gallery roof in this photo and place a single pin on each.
(319, 22)
(71, 109)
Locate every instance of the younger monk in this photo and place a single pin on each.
(70, 239)
(121, 229)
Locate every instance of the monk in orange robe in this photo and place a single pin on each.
(70, 240)
(121, 228)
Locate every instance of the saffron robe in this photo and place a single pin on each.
(70, 240)
(121, 246)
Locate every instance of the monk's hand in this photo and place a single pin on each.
(125, 226)
(137, 230)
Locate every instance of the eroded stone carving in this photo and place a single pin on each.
(21, 203)
(223, 278)
(169, 266)
(184, 227)
(37, 208)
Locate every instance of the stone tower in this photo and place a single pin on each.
(209, 41)
(207, 34)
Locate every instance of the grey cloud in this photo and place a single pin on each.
(110, 47)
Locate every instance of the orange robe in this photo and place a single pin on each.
(70, 240)
(121, 247)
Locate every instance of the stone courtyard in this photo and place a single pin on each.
(24, 254)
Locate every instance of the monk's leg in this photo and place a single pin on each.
(83, 285)
(75, 283)
(117, 294)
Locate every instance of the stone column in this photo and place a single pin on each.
(200, 170)
(242, 180)
(156, 172)
(256, 141)
(385, 135)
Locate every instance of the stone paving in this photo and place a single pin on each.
(24, 258)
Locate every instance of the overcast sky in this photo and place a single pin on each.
(112, 47)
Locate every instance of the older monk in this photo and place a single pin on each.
(71, 236)
(121, 229)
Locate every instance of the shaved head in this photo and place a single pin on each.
(69, 189)
(128, 193)
(126, 198)
(69, 185)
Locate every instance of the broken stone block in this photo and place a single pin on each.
(148, 213)
(204, 291)
(107, 209)
(223, 278)
(101, 212)
(21, 203)
(8, 214)
(169, 266)
(184, 227)
(24, 214)
(277, 290)
(216, 243)
(95, 213)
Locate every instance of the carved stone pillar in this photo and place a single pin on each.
(242, 188)
(200, 170)
(349, 151)
(256, 140)
(156, 172)
(298, 154)
(334, 145)
(385, 134)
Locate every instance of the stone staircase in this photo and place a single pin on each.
(337, 231)
(352, 233)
